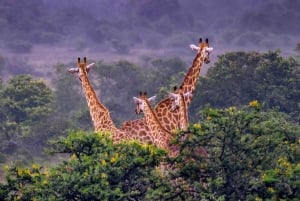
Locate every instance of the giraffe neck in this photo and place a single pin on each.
(167, 118)
(152, 119)
(191, 78)
(161, 136)
(99, 113)
(183, 121)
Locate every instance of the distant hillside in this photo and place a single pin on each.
(37, 34)
(151, 23)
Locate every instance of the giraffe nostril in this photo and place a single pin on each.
(137, 111)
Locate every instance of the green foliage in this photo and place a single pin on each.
(170, 72)
(25, 104)
(67, 91)
(230, 154)
(239, 77)
(126, 79)
(25, 99)
(233, 153)
(97, 170)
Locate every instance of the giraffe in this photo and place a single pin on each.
(161, 136)
(170, 120)
(178, 103)
(191, 78)
(100, 115)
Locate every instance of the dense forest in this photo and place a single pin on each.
(243, 139)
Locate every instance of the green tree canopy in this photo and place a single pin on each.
(26, 99)
(239, 77)
(240, 154)
(25, 103)
(125, 79)
(96, 170)
(230, 154)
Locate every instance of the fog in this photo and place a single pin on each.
(43, 33)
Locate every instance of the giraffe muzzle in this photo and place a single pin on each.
(206, 60)
(138, 112)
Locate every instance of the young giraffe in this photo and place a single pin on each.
(100, 114)
(178, 103)
(170, 120)
(161, 136)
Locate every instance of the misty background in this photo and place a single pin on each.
(40, 33)
(136, 45)
(142, 45)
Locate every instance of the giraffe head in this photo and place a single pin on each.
(82, 66)
(205, 50)
(76, 70)
(142, 101)
(178, 98)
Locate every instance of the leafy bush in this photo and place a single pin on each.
(239, 77)
(97, 170)
(237, 154)
(230, 154)
(25, 104)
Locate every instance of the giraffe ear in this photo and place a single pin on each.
(188, 94)
(73, 70)
(136, 100)
(209, 49)
(172, 95)
(89, 66)
(194, 47)
(151, 98)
